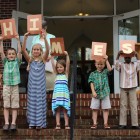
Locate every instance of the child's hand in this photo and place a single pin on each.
(17, 37)
(65, 52)
(51, 53)
(1, 38)
(135, 53)
(120, 52)
(26, 34)
(49, 58)
(94, 94)
(43, 34)
(105, 57)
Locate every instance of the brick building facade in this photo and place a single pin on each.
(6, 7)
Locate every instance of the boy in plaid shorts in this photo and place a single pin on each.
(11, 79)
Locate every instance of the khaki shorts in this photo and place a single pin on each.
(104, 103)
(11, 96)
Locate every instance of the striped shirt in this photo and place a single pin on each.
(128, 73)
(11, 74)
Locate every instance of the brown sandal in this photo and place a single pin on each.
(94, 126)
(57, 127)
(106, 126)
(67, 127)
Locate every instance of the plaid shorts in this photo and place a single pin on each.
(11, 96)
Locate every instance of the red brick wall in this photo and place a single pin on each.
(6, 7)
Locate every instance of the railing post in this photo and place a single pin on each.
(73, 99)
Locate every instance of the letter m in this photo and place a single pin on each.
(56, 47)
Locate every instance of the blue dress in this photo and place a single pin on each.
(36, 101)
(61, 97)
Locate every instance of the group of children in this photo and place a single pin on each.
(36, 94)
(98, 81)
(36, 101)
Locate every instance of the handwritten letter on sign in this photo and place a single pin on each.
(127, 46)
(34, 24)
(57, 46)
(98, 50)
(8, 28)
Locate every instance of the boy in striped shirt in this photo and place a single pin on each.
(128, 84)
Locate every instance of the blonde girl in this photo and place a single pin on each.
(36, 101)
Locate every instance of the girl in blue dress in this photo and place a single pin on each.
(61, 97)
(36, 97)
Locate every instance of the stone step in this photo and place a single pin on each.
(44, 134)
(79, 134)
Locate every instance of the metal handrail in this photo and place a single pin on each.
(74, 91)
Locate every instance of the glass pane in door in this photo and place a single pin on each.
(129, 29)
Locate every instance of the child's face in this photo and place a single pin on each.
(11, 54)
(60, 68)
(100, 65)
(36, 51)
(127, 59)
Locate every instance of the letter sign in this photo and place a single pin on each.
(98, 50)
(8, 28)
(57, 46)
(127, 46)
(34, 24)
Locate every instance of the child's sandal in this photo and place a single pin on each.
(94, 126)
(106, 126)
(67, 127)
(57, 127)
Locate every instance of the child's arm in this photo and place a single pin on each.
(94, 94)
(136, 55)
(53, 64)
(118, 55)
(117, 63)
(25, 53)
(1, 48)
(19, 55)
(108, 64)
(67, 62)
(47, 47)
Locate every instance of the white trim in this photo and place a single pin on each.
(116, 42)
(114, 8)
(16, 15)
(42, 7)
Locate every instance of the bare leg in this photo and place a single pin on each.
(58, 118)
(66, 119)
(105, 116)
(6, 115)
(14, 116)
(94, 116)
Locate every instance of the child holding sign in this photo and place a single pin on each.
(36, 102)
(128, 84)
(100, 90)
(61, 97)
(11, 79)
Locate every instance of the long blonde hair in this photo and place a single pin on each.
(32, 57)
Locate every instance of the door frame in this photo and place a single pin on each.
(116, 41)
